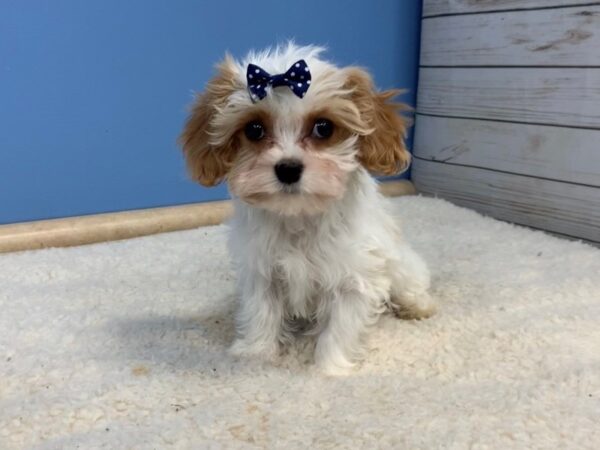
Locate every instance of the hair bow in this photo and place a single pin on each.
(297, 78)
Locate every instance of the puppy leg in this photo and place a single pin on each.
(259, 320)
(410, 284)
(340, 343)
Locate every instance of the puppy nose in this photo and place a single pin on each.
(289, 171)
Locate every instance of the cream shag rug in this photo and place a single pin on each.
(123, 345)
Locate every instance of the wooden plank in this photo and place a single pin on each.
(564, 97)
(436, 7)
(549, 205)
(567, 154)
(94, 228)
(551, 37)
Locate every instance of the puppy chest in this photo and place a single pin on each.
(298, 279)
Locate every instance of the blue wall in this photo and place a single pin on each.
(93, 94)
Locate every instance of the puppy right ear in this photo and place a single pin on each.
(208, 162)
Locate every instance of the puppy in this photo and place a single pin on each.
(296, 138)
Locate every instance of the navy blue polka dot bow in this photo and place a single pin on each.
(297, 78)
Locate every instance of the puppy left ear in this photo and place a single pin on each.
(382, 151)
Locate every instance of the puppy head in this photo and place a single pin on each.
(290, 154)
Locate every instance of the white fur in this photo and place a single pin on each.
(339, 269)
(324, 251)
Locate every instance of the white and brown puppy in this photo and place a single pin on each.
(311, 237)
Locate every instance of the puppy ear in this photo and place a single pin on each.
(208, 162)
(382, 151)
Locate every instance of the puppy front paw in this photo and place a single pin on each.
(330, 358)
(244, 348)
(333, 370)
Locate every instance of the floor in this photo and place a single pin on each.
(123, 345)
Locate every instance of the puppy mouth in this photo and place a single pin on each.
(285, 190)
(292, 195)
(291, 189)
(261, 197)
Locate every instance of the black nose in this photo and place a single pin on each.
(289, 171)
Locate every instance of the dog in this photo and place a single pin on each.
(296, 139)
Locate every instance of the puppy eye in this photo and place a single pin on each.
(322, 129)
(254, 130)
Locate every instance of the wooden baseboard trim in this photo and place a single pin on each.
(95, 228)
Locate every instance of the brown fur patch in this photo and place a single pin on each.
(382, 151)
(262, 116)
(340, 130)
(206, 163)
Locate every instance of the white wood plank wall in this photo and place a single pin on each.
(508, 113)
(448, 7)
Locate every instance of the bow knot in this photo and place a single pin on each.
(297, 78)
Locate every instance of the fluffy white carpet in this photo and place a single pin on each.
(123, 345)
